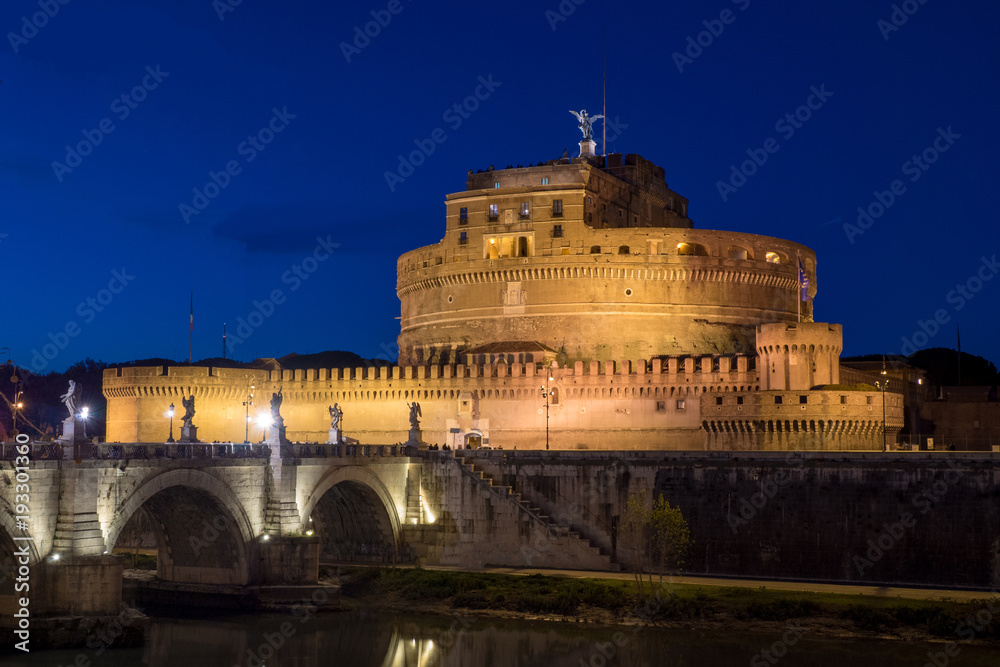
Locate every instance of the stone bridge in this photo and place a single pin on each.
(252, 521)
(247, 520)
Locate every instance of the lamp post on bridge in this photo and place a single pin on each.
(546, 392)
(170, 413)
(882, 386)
(246, 404)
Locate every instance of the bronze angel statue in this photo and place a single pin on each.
(586, 123)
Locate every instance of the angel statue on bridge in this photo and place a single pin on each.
(276, 400)
(188, 404)
(335, 415)
(414, 415)
(71, 398)
(586, 123)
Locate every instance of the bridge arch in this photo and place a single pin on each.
(352, 510)
(203, 534)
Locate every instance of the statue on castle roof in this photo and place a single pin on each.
(335, 415)
(188, 404)
(586, 123)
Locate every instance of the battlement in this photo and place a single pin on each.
(676, 368)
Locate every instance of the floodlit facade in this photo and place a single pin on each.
(571, 305)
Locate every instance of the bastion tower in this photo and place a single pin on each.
(589, 258)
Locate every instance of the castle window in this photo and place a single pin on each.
(803, 400)
(545, 181)
(661, 406)
(736, 252)
(843, 400)
(623, 250)
(739, 400)
(868, 400)
(463, 216)
(494, 212)
(496, 186)
(463, 238)
(557, 208)
(774, 258)
(525, 210)
(692, 249)
(681, 404)
(718, 400)
(565, 251)
(777, 400)
(557, 231)
(595, 250)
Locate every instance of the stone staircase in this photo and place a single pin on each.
(535, 513)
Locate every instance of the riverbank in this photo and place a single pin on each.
(686, 606)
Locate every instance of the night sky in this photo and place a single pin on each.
(300, 119)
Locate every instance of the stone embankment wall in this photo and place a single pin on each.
(903, 518)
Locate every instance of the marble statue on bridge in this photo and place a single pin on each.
(71, 398)
(189, 432)
(336, 414)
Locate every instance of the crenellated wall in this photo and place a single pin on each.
(645, 404)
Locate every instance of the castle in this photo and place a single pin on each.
(570, 305)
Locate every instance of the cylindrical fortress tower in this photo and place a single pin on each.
(799, 356)
(586, 259)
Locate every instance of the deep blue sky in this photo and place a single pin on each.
(324, 174)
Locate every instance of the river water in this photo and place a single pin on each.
(369, 639)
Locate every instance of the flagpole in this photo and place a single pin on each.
(191, 332)
(798, 290)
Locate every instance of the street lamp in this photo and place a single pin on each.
(265, 422)
(84, 414)
(246, 405)
(170, 413)
(882, 386)
(545, 394)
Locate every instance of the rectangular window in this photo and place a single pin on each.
(557, 231)
(463, 216)
(739, 400)
(661, 406)
(557, 208)
(463, 238)
(496, 185)
(718, 400)
(494, 212)
(777, 400)
(868, 400)
(525, 210)
(545, 181)
(803, 400)
(843, 400)
(680, 404)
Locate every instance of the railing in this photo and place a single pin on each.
(41, 451)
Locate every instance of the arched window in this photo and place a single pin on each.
(595, 250)
(623, 250)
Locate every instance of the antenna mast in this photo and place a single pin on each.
(604, 121)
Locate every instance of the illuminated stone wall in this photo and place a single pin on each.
(654, 404)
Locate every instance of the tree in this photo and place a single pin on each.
(671, 538)
(635, 536)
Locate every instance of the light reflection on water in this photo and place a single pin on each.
(368, 639)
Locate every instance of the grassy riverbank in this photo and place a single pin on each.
(680, 605)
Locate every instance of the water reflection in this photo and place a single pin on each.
(367, 639)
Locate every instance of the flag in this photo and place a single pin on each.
(803, 282)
